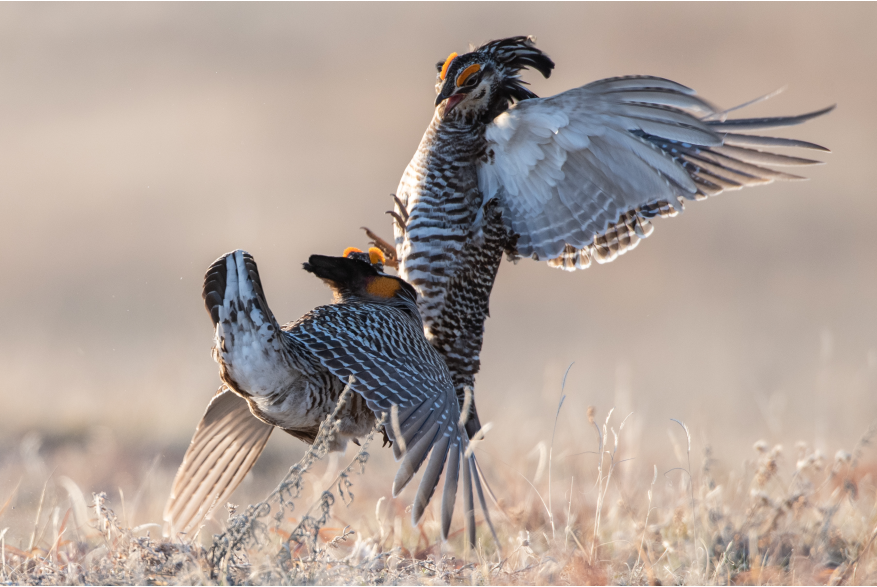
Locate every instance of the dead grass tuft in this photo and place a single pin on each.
(785, 517)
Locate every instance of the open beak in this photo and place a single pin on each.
(450, 101)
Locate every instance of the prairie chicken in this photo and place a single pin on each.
(291, 378)
(567, 179)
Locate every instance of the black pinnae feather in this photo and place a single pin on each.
(511, 55)
(338, 269)
(517, 53)
(345, 276)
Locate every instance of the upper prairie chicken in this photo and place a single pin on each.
(291, 377)
(567, 179)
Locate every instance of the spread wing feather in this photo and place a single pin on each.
(226, 444)
(580, 174)
(392, 364)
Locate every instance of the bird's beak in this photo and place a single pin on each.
(443, 95)
(450, 100)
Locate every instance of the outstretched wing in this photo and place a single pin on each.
(225, 447)
(399, 374)
(580, 174)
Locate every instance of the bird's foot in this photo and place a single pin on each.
(389, 251)
(387, 441)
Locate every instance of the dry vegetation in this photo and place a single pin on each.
(790, 516)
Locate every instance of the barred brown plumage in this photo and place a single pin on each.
(291, 377)
(568, 179)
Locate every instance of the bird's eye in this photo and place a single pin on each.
(469, 76)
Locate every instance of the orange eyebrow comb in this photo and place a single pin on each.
(447, 64)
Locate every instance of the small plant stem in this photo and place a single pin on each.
(568, 513)
(36, 523)
(646, 524)
(551, 448)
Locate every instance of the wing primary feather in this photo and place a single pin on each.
(742, 166)
(228, 469)
(771, 122)
(724, 183)
(476, 481)
(226, 444)
(414, 458)
(729, 173)
(663, 113)
(414, 425)
(763, 157)
(663, 96)
(738, 140)
(431, 474)
(226, 472)
(677, 131)
(468, 507)
(449, 492)
(706, 186)
(639, 82)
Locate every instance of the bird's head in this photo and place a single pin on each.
(359, 276)
(481, 84)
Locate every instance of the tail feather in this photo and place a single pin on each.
(240, 268)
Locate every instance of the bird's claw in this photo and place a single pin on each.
(387, 441)
(386, 248)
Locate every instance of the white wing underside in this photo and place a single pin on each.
(580, 173)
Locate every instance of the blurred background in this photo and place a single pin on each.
(138, 142)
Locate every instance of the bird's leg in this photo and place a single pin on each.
(386, 248)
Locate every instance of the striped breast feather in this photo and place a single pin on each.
(580, 174)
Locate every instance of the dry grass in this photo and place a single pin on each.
(786, 517)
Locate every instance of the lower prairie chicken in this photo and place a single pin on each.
(568, 179)
(291, 378)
